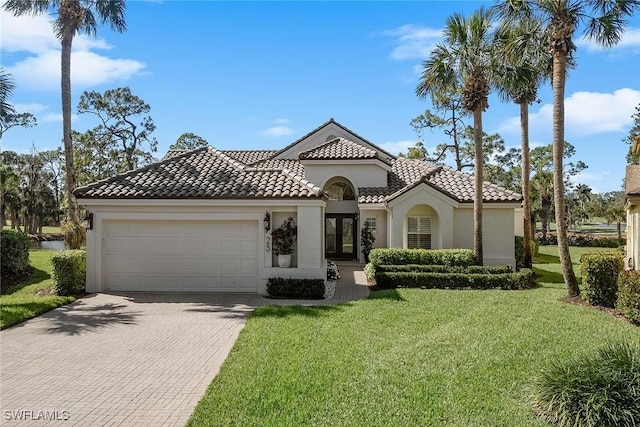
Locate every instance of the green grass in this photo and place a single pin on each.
(403, 357)
(23, 302)
(45, 229)
(547, 263)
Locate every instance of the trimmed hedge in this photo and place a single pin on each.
(14, 252)
(523, 279)
(600, 272)
(451, 257)
(629, 295)
(585, 240)
(278, 287)
(69, 272)
(418, 268)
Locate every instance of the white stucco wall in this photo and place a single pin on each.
(518, 221)
(308, 258)
(381, 231)
(361, 173)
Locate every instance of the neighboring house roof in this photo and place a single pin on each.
(339, 149)
(632, 180)
(203, 173)
(209, 173)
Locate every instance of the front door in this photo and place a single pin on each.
(340, 236)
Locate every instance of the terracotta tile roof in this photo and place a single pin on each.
(289, 164)
(204, 173)
(249, 156)
(406, 174)
(346, 129)
(339, 149)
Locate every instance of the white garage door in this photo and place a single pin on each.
(186, 256)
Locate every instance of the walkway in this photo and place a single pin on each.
(135, 359)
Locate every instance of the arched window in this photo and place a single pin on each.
(339, 190)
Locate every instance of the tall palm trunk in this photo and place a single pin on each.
(478, 175)
(67, 39)
(559, 78)
(526, 190)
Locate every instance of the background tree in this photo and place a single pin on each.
(634, 132)
(189, 141)
(417, 152)
(463, 59)
(604, 22)
(118, 112)
(447, 116)
(95, 158)
(615, 211)
(71, 17)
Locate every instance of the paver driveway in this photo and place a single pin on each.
(119, 360)
(138, 359)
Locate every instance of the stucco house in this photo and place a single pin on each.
(200, 220)
(632, 189)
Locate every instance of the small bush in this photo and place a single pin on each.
(523, 279)
(14, 253)
(598, 389)
(333, 274)
(370, 271)
(278, 287)
(519, 250)
(600, 272)
(69, 272)
(418, 268)
(629, 295)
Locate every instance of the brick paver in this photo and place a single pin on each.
(135, 359)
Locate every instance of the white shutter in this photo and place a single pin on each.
(419, 232)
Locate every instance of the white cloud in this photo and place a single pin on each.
(630, 41)
(586, 113)
(282, 121)
(33, 108)
(40, 70)
(42, 113)
(276, 131)
(56, 117)
(598, 181)
(395, 147)
(413, 41)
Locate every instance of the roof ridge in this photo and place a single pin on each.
(233, 162)
(317, 190)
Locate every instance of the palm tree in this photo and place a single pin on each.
(6, 89)
(73, 17)
(604, 22)
(525, 64)
(463, 60)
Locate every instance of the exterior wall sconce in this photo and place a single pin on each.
(88, 221)
(267, 222)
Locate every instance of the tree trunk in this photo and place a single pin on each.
(477, 201)
(526, 195)
(619, 226)
(559, 78)
(67, 40)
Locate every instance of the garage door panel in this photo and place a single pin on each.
(204, 256)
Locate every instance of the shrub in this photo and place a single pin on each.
(69, 272)
(597, 389)
(452, 257)
(519, 250)
(523, 279)
(370, 271)
(333, 274)
(600, 272)
(14, 253)
(367, 239)
(279, 287)
(418, 268)
(629, 295)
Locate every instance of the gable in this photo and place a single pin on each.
(325, 133)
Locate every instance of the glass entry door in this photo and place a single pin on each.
(340, 236)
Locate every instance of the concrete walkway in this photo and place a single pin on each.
(134, 359)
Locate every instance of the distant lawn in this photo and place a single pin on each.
(403, 357)
(547, 263)
(45, 230)
(32, 297)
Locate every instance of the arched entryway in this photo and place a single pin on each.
(341, 219)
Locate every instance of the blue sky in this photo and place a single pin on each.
(258, 75)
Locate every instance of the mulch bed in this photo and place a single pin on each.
(12, 279)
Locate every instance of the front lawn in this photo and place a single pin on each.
(34, 296)
(403, 357)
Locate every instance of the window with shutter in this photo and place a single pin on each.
(419, 232)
